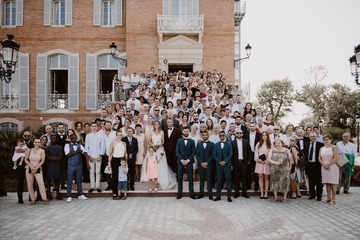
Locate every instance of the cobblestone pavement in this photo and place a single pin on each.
(168, 218)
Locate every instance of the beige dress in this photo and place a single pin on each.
(34, 159)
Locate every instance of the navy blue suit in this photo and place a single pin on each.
(183, 153)
(205, 155)
(225, 155)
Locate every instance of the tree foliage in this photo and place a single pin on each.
(276, 97)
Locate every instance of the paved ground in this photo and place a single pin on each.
(168, 218)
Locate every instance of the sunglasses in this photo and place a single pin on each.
(239, 133)
(276, 129)
(26, 135)
(156, 110)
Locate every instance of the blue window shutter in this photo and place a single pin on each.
(23, 68)
(91, 82)
(41, 82)
(19, 12)
(47, 12)
(73, 82)
(97, 13)
(68, 12)
(118, 12)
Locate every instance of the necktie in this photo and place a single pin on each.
(130, 141)
(311, 152)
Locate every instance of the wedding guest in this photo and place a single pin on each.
(152, 169)
(54, 154)
(123, 178)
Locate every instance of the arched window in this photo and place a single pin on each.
(7, 127)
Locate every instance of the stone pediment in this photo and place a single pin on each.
(180, 42)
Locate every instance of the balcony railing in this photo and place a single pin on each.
(239, 11)
(58, 101)
(9, 101)
(180, 24)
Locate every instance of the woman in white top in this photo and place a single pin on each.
(116, 153)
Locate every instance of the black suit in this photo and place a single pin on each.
(313, 169)
(252, 176)
(132, 148)
(164, 126)
(170, 146)
(240, 166)
(61, 141)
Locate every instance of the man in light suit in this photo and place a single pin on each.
(313, 167)
(222, 154)
(204, 152)
(131, 150)
(240, 161)
(185, 152)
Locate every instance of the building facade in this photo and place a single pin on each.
(65, 69)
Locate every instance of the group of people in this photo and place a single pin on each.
(176, 124)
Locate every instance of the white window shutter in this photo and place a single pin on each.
(68, 12)
(73, 82)
(121, 69)
(41, 82)
(47, 12)
(23, 68)
(1, 11)
(118, 12)
(97, 13)
(19, 12)
(91, 82)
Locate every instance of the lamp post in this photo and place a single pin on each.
(237, 62)
(355, 64)
(9, 50)
(123, 62)
(358, 132)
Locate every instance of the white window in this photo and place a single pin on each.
(57, 12)
(180, 7)
(107, 13)
(11, 13)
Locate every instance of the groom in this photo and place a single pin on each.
(171, 136)
(185, 152)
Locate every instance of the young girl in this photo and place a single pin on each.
(19, 153)
(152, 169)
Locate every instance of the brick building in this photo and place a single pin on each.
(64, 71)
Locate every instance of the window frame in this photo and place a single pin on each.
(58, 18)
(12, 15)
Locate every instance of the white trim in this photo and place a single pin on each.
(60, 120)
(13, 120)
(58, 51)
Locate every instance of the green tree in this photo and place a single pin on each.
(276, 97)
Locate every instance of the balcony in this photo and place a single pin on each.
(173, 25)
(58, 101)
(9, 101)
(239, 11)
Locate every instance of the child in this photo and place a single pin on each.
(152, 169)
(122, 184)
(19, 153)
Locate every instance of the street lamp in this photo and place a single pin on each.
(237, 62)
(355, 64)
(123, 62)
(358, 132)
(9, 50)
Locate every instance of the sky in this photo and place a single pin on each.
(290, 36)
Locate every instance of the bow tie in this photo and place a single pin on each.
(185, 139)
(232, 134)
(205, 142)
(238, 102)
(74, 144)
(170, 129)
(196, 122)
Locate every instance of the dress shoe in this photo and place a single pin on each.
(346, 191)
(200, 196)
(179, 196)
(229, 199)
(132, 189)
(211, 198)
(192, 196)
(21, 201)
(236, 195)
(245, 195)
(59, 197)
(108, 188)
(311, 197)
(91, 190)
(98, 190)
(217, 199)
(337, 192)
(318, 199)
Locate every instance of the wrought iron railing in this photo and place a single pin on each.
(9, 101)
(58, 101)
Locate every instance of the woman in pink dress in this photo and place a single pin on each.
(34, 159)
(262, 168)
(152, 169)
(328, 156)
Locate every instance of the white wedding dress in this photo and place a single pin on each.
(166, 177)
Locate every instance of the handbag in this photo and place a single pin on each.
(302, 161)
(108, 170)
(262, 157)
(342, 160)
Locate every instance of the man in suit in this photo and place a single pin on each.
(240, 161)
(231, 134)
(222, 154)
(253, 137)
(131, 150)
(61, 140)
(313, 168)
(185, 152)
(204, 157)
(171, 136)
(170, 114)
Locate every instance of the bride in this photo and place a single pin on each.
(166, 177)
